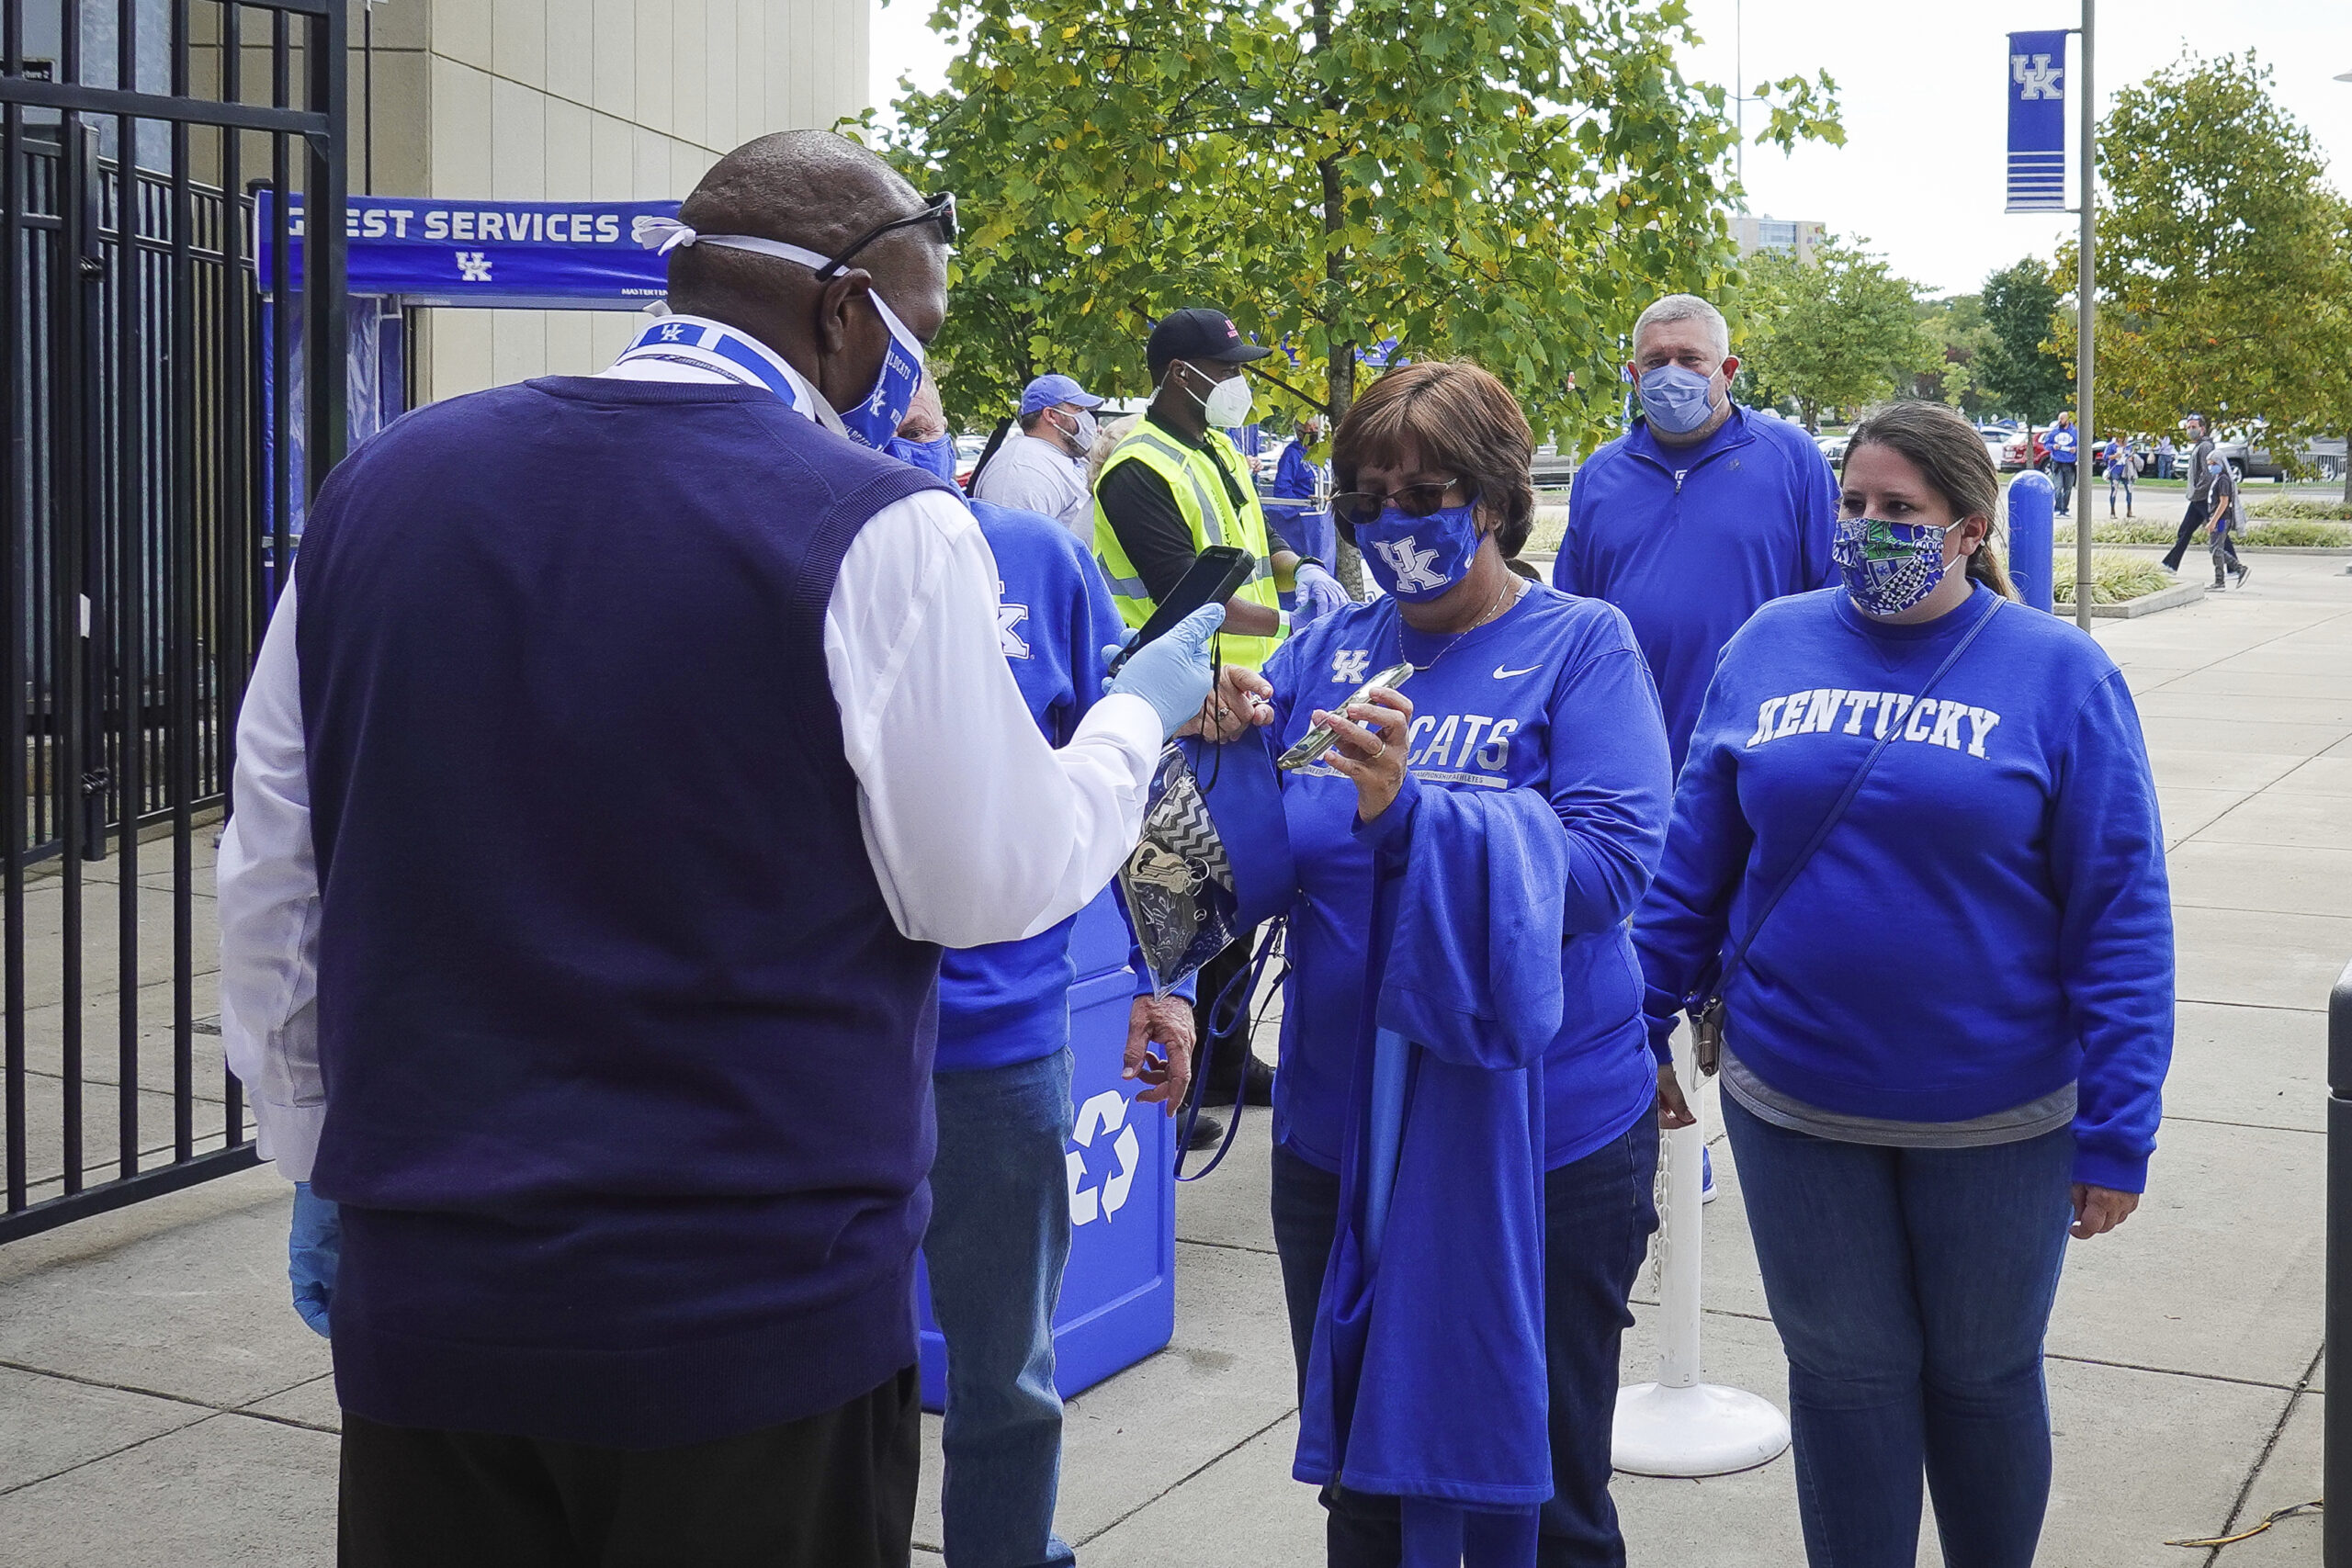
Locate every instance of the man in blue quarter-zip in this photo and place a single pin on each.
(1695, 518)
(580, 914)
(1698, 514)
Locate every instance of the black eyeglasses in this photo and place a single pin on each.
(939, 208)
(1413, 501)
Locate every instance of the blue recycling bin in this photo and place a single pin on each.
(1118, 1300)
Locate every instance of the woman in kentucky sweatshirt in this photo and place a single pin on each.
(1950, 1036)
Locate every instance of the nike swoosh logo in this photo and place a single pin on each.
(1503, 675)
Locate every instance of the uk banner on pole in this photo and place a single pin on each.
(2038, 122)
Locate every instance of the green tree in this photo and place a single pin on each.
(2225, 260)
(1958, 326)
(2019, 373)
(1837, 331)
(1510, 181)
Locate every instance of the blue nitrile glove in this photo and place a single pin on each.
(1318, 593)
(1173, 674)
(314, 1248)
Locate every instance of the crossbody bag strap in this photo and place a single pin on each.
(1853, 788)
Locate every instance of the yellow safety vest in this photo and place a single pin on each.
(1207, 507)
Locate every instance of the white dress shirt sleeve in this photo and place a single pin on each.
(978, 831)
(269, 890)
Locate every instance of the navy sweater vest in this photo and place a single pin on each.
(628, 1065)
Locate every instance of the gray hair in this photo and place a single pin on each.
(1685, 308)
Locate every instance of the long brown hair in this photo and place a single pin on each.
(1950, 457)
(1452, 415)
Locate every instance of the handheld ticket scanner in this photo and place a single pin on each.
(1118, 1300)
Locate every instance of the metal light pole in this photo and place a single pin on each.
(2086, 316)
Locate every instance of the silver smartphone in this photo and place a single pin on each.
(1318, 740)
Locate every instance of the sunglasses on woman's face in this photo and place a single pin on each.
(1414, 501)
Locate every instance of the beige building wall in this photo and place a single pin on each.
(615, 100)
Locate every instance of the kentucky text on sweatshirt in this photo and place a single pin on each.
(1688, 541)
(1987, 921)
(1551, 695)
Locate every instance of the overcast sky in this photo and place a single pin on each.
(1921, 172)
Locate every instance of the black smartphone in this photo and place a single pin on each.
(1215, 575)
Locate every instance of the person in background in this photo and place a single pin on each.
(1693, 520)
(580, 911)
(1524, 700)
(2123, 466)
(2201, 490)
(2064, 444)
(923, 439)
(1300, 481)
(2227, 511)
(1174, 487)
(1043, 468)
(1950, 1038)
(2164, 454)
(1000, 1234)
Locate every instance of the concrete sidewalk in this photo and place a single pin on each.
(161, 1404)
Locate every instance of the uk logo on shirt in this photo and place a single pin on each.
(1008, 619)
(1349, 668)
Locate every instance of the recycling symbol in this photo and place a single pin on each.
(1098, 1116)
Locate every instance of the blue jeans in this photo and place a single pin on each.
(1912, 1289)
(1598, 1213)
(999, 1238)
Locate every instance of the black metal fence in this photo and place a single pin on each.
(136, 484)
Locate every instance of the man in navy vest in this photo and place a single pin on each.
(636, 740)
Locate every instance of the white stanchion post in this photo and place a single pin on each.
(1681, 1425)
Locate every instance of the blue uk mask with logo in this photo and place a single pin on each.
(877, 420)
(1417, 559)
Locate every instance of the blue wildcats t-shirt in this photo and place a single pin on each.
(2061, 441)
(1690, 541)
(1989, 919)
(1009, 1002)
(1551, 695)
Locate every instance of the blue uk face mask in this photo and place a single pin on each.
(1676, 401)
(877, 420)
(1417, 559)
(1889, 567)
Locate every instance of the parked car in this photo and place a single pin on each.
(1832, 447)
(1551, 469)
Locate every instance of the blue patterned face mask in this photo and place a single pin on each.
(1889, 567)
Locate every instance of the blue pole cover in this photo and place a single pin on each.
(2033, 502)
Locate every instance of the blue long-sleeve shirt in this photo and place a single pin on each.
(1989, 921)
(1690, 541)
(1552, 696)
(1009, 1002)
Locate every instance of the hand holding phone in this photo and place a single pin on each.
(1215, 575)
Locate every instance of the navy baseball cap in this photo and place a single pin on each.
(1047, 391)
(1198, 334)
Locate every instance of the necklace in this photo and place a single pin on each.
(1512, 588)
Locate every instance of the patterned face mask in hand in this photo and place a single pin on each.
(1888, 567)
(1178, 881)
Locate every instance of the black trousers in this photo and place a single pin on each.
(2193, 519)
(835, 1490)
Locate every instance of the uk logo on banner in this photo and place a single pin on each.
(2037, 86)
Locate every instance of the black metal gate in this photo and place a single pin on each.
(138, 489)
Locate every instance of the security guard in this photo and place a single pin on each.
(1178, 485)
(1174, 487)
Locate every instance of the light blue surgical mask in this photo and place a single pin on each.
(1676, 401)
(1418, 559)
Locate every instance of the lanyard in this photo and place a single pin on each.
(703, 341)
